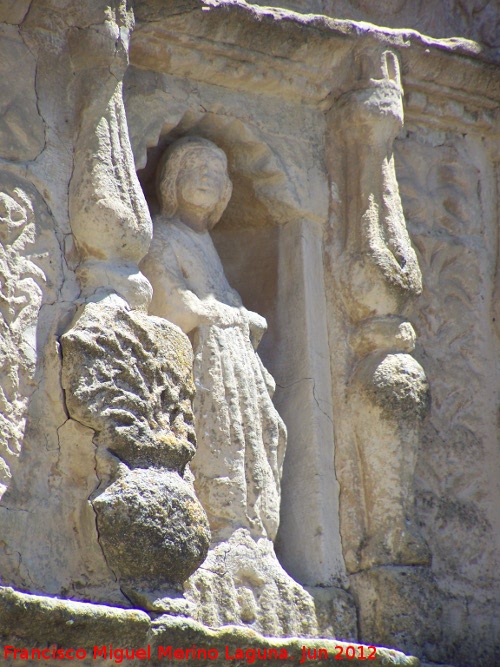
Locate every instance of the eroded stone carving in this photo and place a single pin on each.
(127, 376)
(20, 301)
(387, 390)
(241, 438)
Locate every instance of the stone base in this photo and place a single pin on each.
(398, 606)
(242, 583)
(48, 624)
(335, 612)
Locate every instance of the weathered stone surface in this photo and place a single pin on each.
(379, 266)
(272, 231)
(267, 86)
(476, 19)
(14, 11)
(399, 606)
(241, 438)
(242, 583)
(22, 133)
(335, 612)
(153, 527)
(128, 376)
(387, 392)
(44, 620)
(445, 178)
(129, 380)
(30, 620)
(109, 218)
(20, 303)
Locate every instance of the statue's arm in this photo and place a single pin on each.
(173, 297)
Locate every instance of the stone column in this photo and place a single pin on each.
(308, 543)
(377, 273)
(126, 375)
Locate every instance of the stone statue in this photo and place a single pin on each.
(378, 272)
(240, 451)
(241, 438)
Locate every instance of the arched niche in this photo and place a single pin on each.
(248, 235)
(270, 240)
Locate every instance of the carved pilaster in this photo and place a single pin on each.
(377, 273)
(127, 376)
(21, 296)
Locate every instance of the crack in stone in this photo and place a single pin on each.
(316, 400)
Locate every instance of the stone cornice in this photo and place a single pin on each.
(309, 59)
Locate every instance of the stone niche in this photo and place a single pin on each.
(362, 225)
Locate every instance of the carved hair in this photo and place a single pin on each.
(170, 166)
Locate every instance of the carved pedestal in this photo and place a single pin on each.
(128, 377)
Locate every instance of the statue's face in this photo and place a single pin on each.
(201, 181)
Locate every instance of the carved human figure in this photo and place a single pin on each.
(241, 438)
(378, 274)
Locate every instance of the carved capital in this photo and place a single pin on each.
(371, 113)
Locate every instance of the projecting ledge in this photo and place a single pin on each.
(52, 625)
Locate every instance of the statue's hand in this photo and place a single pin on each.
(258, 327)
(222, 315)
(229, 316)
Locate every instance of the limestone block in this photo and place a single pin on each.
(42, 622)
(335, 612)
(398, 606)
(46, 619)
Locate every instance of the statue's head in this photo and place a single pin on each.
(193, 183)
